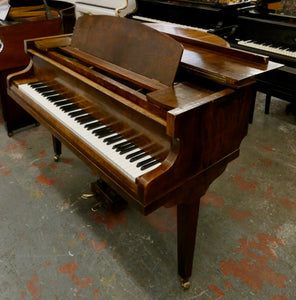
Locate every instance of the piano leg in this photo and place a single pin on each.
(57, 148)
(187, 216)
(252, 108)
(267, 103)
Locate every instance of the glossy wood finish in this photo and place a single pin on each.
(196, 125)
(188, 33)
(208, 55)
(162, 53)
(21, 26)
(13, 114)
(13, 36)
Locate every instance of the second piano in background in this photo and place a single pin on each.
(270, 29)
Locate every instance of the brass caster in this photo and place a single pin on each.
(56, 157)
(87, 196)
(37, 124)
(97, 206)
(185, 284)
(10, 134)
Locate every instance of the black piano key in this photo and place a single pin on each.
(99, 130)
(43, 89)
(127, 149)
(36, 83)
(134, 154)
(56, 101)
(48, 94)
(120, 145)
(107, 133)
(93, 125)
(103, 132)
(77, 113)
(84, 119)
(61, 103)
(137, 157)
(146, 161)
(87, 120)
(81, 117)
(113, 139)
(55, 97)
(69, 108)
(149, 165)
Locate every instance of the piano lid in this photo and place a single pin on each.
(212, 58)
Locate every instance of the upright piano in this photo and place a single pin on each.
(156, 111)
(23, 23)
(269, 29)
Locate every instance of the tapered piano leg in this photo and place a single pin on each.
(267, 103)
(57, 148)
(187, 216)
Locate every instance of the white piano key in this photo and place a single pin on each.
(120, 161)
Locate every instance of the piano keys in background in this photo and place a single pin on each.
(203, 15)
(24, 23)
(267, 29)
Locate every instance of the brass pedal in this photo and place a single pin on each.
(88, 196)
(106, 197)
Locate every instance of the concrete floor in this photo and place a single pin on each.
(52, 246)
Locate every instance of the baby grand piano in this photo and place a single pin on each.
(156, 137)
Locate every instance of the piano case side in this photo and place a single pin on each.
(207, 134)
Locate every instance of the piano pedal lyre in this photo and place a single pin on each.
(106, 197)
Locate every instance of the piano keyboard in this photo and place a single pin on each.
(268, 48)
(123, 154)
(144, 19)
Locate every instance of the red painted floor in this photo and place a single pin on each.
(52, 246)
